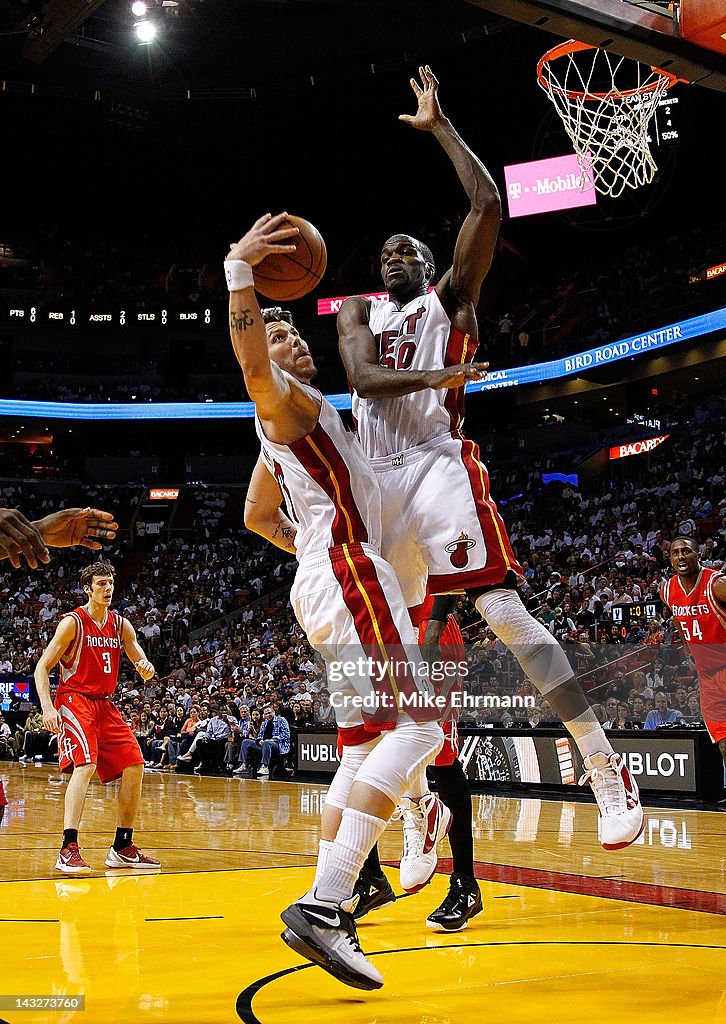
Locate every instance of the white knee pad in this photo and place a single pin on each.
(400, 756)
(531, 643)
(350, 762)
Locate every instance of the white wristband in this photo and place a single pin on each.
(238, 274)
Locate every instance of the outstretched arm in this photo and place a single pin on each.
(263, 514)
(475, 245)
(70, 527)
(288, 410)
(359, 353)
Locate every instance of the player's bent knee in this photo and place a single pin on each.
(351, 760)
(400, 756)
(529, 640)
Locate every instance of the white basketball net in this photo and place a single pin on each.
(606, 103)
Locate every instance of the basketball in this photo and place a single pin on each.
(286, 276)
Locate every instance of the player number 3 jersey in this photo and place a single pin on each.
(91, 663)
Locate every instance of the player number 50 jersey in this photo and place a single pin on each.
(419, 336)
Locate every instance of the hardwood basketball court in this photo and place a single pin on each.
(568, 930)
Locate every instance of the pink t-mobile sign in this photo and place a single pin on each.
(544, 185)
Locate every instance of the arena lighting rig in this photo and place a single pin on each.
(626, 348)
(57, 20)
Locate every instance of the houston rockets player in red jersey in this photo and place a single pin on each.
(408, 358)
(696, 596)
(92, 735)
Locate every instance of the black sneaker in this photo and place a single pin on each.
(374, 890)
(325, 934)
(462, 902)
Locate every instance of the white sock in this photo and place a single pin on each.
(324, 848)
(357, 835)
(588, 734)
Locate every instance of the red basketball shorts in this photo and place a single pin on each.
(713, 703)
(95, 733)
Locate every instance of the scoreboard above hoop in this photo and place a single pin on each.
(36, 316)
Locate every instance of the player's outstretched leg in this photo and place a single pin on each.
(621, 819)
(320, 925)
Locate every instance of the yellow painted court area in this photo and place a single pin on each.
(199, 942)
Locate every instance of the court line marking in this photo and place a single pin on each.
(204, 917)
(247, 1015)
(698, 900)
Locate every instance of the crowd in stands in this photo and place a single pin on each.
(211, 608)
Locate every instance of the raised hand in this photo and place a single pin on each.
(264, 237)
(84, 527)
(429, 112)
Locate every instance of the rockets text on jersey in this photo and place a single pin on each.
(701, 618)
(91, 663)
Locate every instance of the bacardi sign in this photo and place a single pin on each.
(623, 451)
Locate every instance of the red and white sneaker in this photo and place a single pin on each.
(425, 822)
(70, 861)
(621, 819)
(131, 857)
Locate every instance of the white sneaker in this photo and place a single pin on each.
(263, 770)
(425, 822)
(325, 934)
(621, 819)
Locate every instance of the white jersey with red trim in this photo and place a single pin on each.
(701, 617)
(419, 336)
(330, 491)
(91, 663)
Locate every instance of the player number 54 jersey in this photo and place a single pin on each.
(701, 618)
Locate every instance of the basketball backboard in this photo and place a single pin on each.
(645, 30)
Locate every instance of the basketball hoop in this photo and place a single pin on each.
(605, 102)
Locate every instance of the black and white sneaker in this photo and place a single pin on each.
(462, 902)
(374, 891)
(325, 934)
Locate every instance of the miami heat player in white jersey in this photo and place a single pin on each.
(336, 495)
(345, 596)
(441, 529)
(418, 336)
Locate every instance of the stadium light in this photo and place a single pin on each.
(138, 8)
(145, 31)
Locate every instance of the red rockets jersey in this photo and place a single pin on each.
(91, 663)
(701, 618)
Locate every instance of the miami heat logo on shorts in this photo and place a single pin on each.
(458, 550)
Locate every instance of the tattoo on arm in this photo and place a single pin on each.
(286, 532)
(240, 321)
